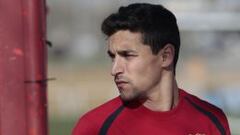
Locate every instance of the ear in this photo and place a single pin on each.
(167, 55)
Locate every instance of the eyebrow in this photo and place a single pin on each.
(120, 52)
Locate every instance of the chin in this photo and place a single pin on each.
(125, 98)
(128, 97)
(131, 101)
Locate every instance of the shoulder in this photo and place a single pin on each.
(214, 113)
(90, 122)
(203, 106)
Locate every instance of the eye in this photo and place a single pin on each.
(127, 55)
(111, 55)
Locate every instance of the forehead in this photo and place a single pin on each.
(125, 39)
(125, 35)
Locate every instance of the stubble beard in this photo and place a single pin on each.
(130, 95)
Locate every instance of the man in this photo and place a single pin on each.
(143, 43)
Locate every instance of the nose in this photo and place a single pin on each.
(117, 67)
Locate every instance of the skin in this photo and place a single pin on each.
(141, 75)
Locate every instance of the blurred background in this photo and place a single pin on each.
(208, 67)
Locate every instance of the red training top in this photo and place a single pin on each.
(192, 116)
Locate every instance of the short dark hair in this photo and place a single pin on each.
(157, 25)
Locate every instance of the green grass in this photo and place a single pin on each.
(61, 127)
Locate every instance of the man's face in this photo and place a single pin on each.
(136, 71)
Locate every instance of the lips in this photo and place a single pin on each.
(120, 83)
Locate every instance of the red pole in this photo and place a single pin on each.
(35, 66)
(23, 107)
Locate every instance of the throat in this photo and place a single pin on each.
(160, 106)
(163, 100)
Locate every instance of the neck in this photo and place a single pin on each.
(164, 96)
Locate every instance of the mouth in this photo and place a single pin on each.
(120, 84)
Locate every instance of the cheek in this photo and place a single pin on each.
(135, 68)
(138, 73)
(143, 74)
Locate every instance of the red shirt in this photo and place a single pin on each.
(192, 116)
